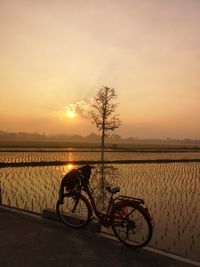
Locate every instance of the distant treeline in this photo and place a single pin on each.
(93, 138)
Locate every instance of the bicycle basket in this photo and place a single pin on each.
(70, 181)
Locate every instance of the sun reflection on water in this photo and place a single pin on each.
(68, 168)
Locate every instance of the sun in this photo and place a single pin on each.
(70, 113)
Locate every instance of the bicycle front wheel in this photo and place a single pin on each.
(75, 210)
(132, 225)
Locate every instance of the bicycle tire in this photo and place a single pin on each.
(75, 211)
(127, 223)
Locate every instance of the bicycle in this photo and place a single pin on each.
(129, 219)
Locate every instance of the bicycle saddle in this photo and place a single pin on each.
(113, 190)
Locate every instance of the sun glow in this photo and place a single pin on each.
(70, 113)
(76, 110)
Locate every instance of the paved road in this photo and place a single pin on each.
(27, 241)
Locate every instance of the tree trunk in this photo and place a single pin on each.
(102, 187)
(0, 195)
(102, 144)
(102, 154)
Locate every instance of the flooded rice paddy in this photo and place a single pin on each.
(170, 190)
(23, 156)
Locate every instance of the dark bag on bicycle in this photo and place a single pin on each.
(70, 180)
(85, 172)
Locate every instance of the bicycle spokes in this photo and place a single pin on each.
(131, 225)
(75, 211)
(76, 201)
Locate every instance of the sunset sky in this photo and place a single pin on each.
(54, 55)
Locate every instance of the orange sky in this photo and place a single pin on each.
(57, 53)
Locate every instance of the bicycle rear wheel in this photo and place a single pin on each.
(75, 210)
(132, 225)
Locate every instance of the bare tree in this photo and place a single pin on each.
(104, 115)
